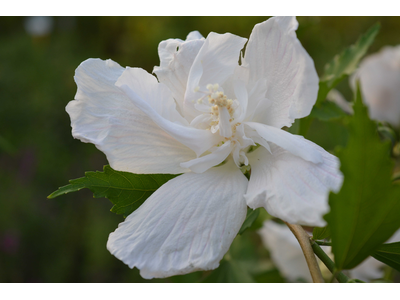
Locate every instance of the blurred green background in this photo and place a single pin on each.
(64, 239)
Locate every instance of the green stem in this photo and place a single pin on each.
(323, 243)
(328, 262)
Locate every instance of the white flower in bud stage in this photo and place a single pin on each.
(288, 257)
(205, 109)
(379, 76)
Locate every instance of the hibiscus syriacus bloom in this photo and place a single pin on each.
(287, 255)
(379, 76)
(206, 109)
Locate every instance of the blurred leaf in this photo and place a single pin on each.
(321, 233)
(250, 218)
(127, 191)
(326, 111)
(229, 271)
(345, 63)
(270, 276)
(389, 254)
(366, 211)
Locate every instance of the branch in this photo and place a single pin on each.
(304, 241)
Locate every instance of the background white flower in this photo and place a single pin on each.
(205, 109)
(379, 75)
(286, 253)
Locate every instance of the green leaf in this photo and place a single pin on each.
(250, 218)
(127, 191)
(366, 211)
(229, 271)
(326, 111)
(321, 233)
(345, 63)
(389, 254)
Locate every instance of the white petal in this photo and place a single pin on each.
(285, 251)
(185, 226)
(295, 144)
(379, 76)
(274, 53)
(196, 139)
(104, 116)
(215, 63)
(157, 95)
(175, 63)
(225, 128)
(202, 164)
(291, 188)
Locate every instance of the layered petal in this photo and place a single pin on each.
(186, 225)
(274, 54)
(291, 188)
(141, 88)
(202, 164)
(295, 144)
(103, 115)
(215, 63)
(176, 59)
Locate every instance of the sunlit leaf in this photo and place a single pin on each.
(365, 213)
(127, 191)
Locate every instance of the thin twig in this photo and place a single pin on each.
(304, 241)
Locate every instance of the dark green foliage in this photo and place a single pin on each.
(321, 233)
(366, 211)
(127, 191)
(389, 254)
(327, 111)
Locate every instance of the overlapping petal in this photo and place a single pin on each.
(295, 144)
(291, 188)
(103, 115)
(186, 225)
(215, 63)
(176, 59)
(275, 54)
(140, 87)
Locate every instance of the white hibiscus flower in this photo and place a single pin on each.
(289, 258)
(379, 76)
(205, 109)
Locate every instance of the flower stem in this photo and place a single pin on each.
(304, 241)
(328, 262)
(323, 243)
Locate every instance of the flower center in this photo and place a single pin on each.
(218, 112)
(222, 115)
